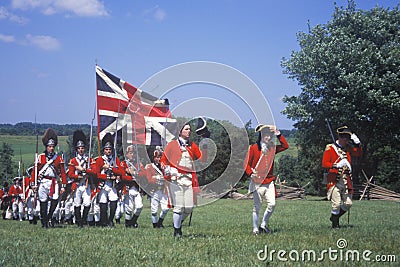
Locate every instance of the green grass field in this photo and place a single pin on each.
(25, 146)
(220, 235)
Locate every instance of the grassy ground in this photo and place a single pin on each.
(25, 146)
(220, 235)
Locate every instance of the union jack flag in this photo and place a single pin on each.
(121, 107)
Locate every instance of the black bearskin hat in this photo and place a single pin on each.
(107, 141)
(50, 138)
(79, 139)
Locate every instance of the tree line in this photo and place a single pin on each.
(28, 128)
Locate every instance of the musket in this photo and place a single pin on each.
(36, 166)
(90, 143)
(91, 136)
(331, 132)
(116, 137)
(19, 174)
(36, 154)
(135, 138)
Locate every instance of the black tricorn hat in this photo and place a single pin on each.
(265, 128)
(50, 138)
(344, 130)
(107, 141)
(202, 129)
(79, 138)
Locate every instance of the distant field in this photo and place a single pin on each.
(27, 146)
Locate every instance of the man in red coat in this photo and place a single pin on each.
(17, 194)
(259, 165)
(78, 171)
(336, 161)
(31, 201)
(133, 202)
(178, 165)
(50, 168)
(157, 189)
(108, 171)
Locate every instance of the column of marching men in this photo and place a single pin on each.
(100, 191)
(93, 191)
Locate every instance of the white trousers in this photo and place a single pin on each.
(82, 195)
(339, 197)
(44, 190)
(182, 195)
(133, 203)
(18, 209)
(159, 198)
(108, 193)
(33, 209)
(263, 192)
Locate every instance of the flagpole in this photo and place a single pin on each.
(135, 139)
(116, 136)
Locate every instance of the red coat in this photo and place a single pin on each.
(75, 175)
(253, 155)
(172, 156)
(27, 188)
(58, 165)
(15, 192)
(101, 174)
(331, 157)
(150, 172)
(127, 178)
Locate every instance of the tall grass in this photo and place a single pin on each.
(220, 235)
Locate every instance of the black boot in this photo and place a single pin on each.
(103, 214)
(113, 209)
(155, 225)
(128, 223)
(53, 206)
(160, 223)
(43, 214)
(178, 232)
(342, 212)
(134, 221)
(78, 217)
(85, 215)
(35, 219)
(335, 221)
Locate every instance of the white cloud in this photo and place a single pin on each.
(83, 8)
(159, 14)
(5, 14)
(43, 42)
(7, 38)
(156, 13)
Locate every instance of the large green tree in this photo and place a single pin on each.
(6, 165)
(349, 72)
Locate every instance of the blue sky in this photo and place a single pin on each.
(49, 49)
